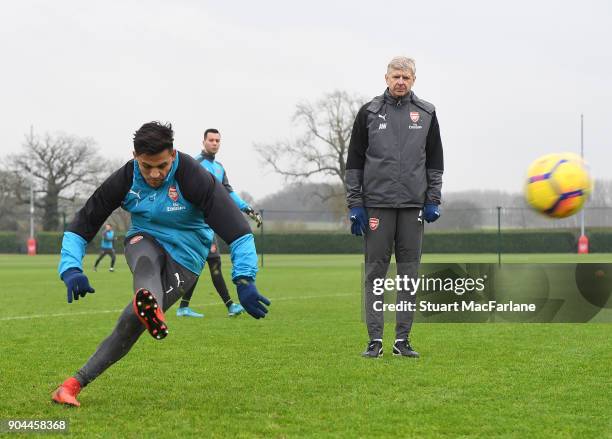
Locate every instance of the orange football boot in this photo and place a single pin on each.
(67, 392)
(150, 313)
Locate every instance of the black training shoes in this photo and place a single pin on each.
(374, 349)
(403, 348)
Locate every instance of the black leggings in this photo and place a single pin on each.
(214, 264)
(154, 270)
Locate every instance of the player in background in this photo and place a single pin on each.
(174, 206)
(211, 144)
(106, 248)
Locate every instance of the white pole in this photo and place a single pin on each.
(582, 156)
(31, 207)
(31, 192)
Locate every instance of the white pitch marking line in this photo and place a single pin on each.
(107, 311)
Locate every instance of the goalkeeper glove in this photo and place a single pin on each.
(255, 216)
(77, 284)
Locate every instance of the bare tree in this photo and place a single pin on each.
(8, 201)
(56, 164)
(322, 148)
(121, 220)
(602, 193)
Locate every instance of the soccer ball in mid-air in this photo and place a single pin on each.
(558, 184)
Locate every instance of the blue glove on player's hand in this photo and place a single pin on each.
(358, 218)
(250, 299)
(431, 212)
(77, 284)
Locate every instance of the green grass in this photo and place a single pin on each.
(298, 372)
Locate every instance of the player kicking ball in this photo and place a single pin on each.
(175, 205)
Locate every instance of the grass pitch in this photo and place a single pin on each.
(298, 372)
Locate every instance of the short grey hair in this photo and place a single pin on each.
(402, 63)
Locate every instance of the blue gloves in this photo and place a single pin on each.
(431, 212)
(77, 284)
(359, 220)
(250, 298)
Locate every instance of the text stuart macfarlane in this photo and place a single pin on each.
(425, 306)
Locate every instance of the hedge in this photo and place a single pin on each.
(522, 241)
(9, 243)
(47, 243)
(446, 242)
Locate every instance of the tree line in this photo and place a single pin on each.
(63, 170)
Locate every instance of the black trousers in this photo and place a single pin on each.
(388, 230)
(104, 252)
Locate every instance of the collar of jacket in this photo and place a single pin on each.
(390, 99)
(208, 156)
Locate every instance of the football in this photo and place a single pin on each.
(558, 185)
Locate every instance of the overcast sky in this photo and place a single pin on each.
(509, 79)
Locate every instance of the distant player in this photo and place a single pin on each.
(106, 247)
(211, 144)
(174, 206)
